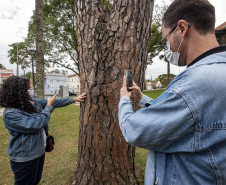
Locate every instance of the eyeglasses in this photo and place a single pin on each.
(161, 43)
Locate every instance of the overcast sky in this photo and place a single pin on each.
(14, 17)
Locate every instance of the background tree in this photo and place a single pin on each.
(156, 34)
(2, 67)
(39, 48)
(155, 49)
(110, 40)
(28, 75)
(60, 40)
(164, 79)
(23, 54)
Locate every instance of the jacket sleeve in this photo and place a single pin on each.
(23, 122)
(60, 102)
(165, 126)
(145, 101)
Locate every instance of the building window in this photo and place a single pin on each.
(51, 83)
(57, 83)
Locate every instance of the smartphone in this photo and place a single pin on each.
(129, 79)
(55, 92)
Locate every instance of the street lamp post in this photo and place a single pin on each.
(17, 62)
(24, 68)
(32, 52)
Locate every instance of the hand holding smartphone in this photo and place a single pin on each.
(129, 79)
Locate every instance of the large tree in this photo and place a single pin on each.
(39, 48)
(60, 39)
(110, 40)
(19, 50)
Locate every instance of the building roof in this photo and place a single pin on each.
(221, 27)
(6, 71)
(69, 76)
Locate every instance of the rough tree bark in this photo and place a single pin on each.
(109, 41)
(39, 49)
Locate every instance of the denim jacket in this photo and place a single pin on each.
(27, 141)
(184, 129)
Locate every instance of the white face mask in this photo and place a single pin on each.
(173, 57)
(31, 93)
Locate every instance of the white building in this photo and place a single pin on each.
(158, 85)
(53, 80)
(74, 83)
(149, 86)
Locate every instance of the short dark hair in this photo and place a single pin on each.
(199, 13)
(14, 94)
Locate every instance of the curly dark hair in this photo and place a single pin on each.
(14, 93)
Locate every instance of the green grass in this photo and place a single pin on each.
(153, 94)
(60, 164)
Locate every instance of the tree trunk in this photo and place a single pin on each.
(39, 49)
(109, 42)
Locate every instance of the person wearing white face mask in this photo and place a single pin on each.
(27, 121)
(184, 129)
(173, 57)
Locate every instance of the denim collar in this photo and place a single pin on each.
(207, 53)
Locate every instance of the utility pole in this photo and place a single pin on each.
(24, 68)
(32, 52)
(17, 62)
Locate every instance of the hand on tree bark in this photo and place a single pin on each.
(80, 98)
(123, 90)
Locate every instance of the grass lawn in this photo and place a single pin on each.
(153, 94)
(60, 164)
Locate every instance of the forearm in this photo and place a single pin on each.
(61, 102)
(158, 126)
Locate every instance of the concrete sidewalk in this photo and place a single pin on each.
(1, 111)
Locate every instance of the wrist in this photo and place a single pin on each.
(49, 104)
(125, 95)
(141, 96)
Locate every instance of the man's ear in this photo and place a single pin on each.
(183, 27)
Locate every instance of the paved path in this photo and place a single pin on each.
(1, 111)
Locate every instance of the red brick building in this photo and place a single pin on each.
(4, 74)
(220, 32)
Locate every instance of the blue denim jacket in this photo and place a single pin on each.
(27, 141)
(184, 129)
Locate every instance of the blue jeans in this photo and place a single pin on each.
(28, 173)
